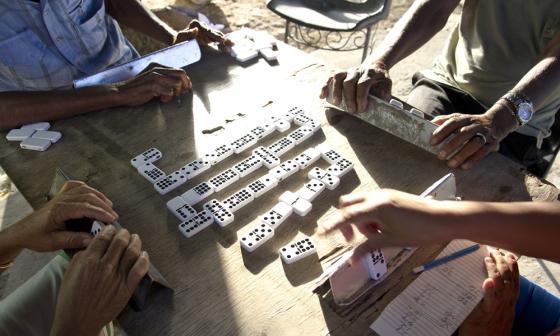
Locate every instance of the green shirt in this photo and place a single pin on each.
(494, 45)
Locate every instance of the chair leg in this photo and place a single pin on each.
(286, 31)
(366, 44)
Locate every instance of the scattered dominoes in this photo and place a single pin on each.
(376, 265)
(277, 215)
(151, 155)
(243, 143)
(151, 172)
(297, 250)
(170, 182)
(34, 136)
(196, 167)
(180, 209)
(243, 52)
(262, 185)
(311, 190)
(19, 134)
(300, 205)
(248, 165)
(301, 134)
(196, 224)
(257, 237)
(96, 228)
(198, 193)
(38, 126)
(239, 200)
(281, 146)
(35, 144)
(222, 216)
(51, 136)
(308, 157)
(284, 170)
(330, 181)
(224, 179)
(219, 154)
(269, 160)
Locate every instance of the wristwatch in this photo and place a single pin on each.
(521, 106)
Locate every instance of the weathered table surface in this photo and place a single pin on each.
(220, 289)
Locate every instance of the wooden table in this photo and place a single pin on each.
(219, 289)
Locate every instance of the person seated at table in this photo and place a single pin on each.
(511, 304)
(501, 62)
(46, 44)
(77, 297)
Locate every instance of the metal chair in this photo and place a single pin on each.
(321, 23)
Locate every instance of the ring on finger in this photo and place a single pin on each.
(482, 137)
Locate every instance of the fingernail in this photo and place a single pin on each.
(86, 242)
(442, 155)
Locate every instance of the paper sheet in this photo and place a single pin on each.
(440, 299)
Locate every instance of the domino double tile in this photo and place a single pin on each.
(196, 224)
(151, 155)
(170, 182)
(307, 158)
(330, 181)
(243, 143)
(151, 172)
(238, 200)
(329, 154)
(196, 167)
(262, 185)
(269, 160)
(297, 250)
(311, 190)
(256, 237)
(224, 179)
(300, 206)
(198, 193)
(248, 165)
(219, 154)
(285, 170)
(277, 215)
(180, 208)
(222, 216)
(281, 146)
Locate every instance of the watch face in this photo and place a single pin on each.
(525, 112)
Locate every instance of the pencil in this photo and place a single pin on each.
(446, 259)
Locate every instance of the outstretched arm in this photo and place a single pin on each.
(393, 218)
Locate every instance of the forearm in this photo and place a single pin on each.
(544, 77)
(417, 26)
(9, 248)
(528, 228)
(133, 14)
(23, 107)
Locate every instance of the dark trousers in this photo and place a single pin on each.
(436, 99)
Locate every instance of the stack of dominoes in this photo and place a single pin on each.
(249, 44)
(35, 136)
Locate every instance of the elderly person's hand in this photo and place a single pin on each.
(355, 84)
(495, 314)
(204, 35)
(44, 230)
(478, 134)
(99, 282)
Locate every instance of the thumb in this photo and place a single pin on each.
(70, 240)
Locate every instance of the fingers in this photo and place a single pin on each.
(325, 89)
(372, 243)
(469, 149)
(94, 200)
(362, 92)
(131, 254)
(138, 270)
(463, 135)
(69, 185)
(338, 80)
(493, 273)
(100, 243)
(481, 154)
(70, 240)
(349, 91)
(117, 247)
(502, 267)
(64, 211)
(346, 200)
(179, 74)
(511, 260)
(353, 214)
(489, 289)
(449, 126)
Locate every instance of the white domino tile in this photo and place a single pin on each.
(180, 209)
(284, 170)
(376, 265)
(260, 186)
(151, 155)
(297, 250)
(224, 179)
(238, 200)
(243, 143)
(396, 103)
(219, 154)
(222, 216)
(19, 134)
(196, 167)
(198, 193)
(269, 160)
(301, 134)
(311, 190)
(307, 157)
(151, 172)
(170, 182)
(282, 125)
(263, 130)
(249, 165)
(328, 154)
(256, 237)
(300, 206)
(196, 224)
(277, 215)
(301, 120)
(281, 147)
(330, 181)
(296, 110)
(340, 168)
(39, 126)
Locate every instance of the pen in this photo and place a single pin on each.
(446, 259)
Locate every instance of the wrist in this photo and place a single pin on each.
(503, 120)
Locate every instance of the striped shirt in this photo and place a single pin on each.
(45, 45)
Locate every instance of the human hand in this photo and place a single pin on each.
(480, 134)
(204, 35)
(356, 84)
(154, 81)
(99, 282)
(494, 315)
(387, 218)
(44, 230)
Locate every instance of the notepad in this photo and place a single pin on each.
(439, 300)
